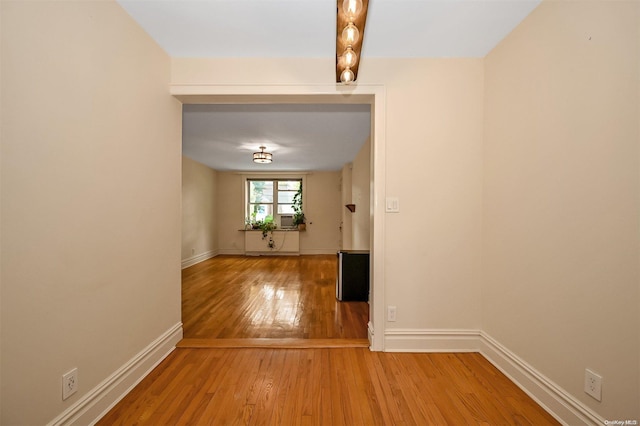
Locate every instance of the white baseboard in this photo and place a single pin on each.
(558, 402)
(555, 400)
(198, 258)
(418, 340)
(97, 402)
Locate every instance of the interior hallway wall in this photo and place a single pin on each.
(346, 216)
(90, 217)
(361, 197)
(322, 211)
(199, 211)
(561, 198)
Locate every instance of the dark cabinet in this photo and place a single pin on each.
(352, 283)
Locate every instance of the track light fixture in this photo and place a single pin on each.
(350, 20)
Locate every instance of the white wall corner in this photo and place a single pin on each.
(199, 258)
(423, 340)
(555, 400)
(97, 402)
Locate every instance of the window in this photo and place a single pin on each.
(273, 197)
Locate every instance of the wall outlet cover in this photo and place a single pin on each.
(69, 383)
(593, 384)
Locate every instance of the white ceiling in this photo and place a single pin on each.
(307, 28)
(300, 136)
(307, 137)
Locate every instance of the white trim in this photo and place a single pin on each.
(377, 197)
(190, 261)
(98, 401)
(557, 401)
(375, 95)
(423, 340)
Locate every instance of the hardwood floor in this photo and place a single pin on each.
(267, 316)
(345, 386)
(234, 297)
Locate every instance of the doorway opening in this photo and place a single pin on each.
(372, 95)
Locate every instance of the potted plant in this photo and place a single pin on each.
(298, 216)
(267, 226)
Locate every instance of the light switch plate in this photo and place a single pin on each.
(392, 205)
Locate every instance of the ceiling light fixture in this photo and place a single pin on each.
(350, 20)
(262, 157)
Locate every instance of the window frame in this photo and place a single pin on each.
(272, 178)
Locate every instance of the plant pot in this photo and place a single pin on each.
(302, 226)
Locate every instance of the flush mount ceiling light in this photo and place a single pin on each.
(262, 157)
(350, 20)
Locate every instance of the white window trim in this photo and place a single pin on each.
(270, 176)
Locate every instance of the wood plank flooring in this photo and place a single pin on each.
(236, 297)
(345, 386)
(251, 357)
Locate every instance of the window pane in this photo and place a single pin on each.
(285, 197)
(285, 209)
(261, 211)
(290, 185)
(260, 191)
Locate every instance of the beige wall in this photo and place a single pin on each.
(230, 208)
(199, 216)
(346, 215)
(90, 200)
(433, 164)
(561, 212)
(322, 209)
(361, 197)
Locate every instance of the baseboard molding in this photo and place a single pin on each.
(97, 402)
(558, 402)
(284, 343)
(198, 258)
(419, 340)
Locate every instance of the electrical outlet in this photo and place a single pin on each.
(593, 384)
(391, 313)
(69, 383)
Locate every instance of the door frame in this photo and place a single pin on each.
(374, 95)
